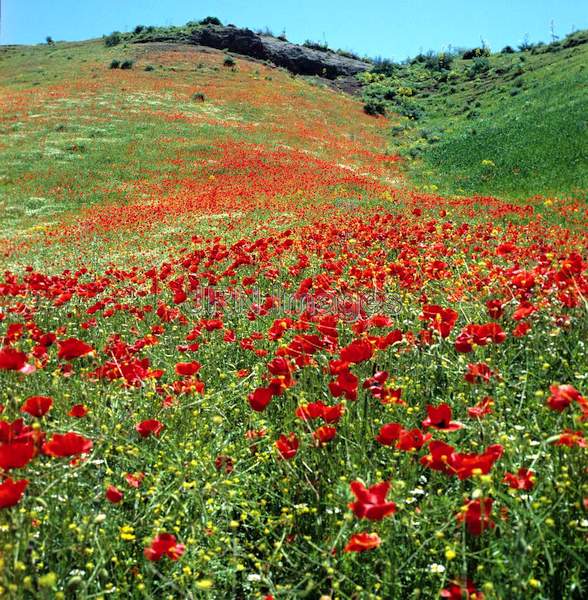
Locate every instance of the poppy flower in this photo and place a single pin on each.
(12, 360)
(72, 348)
(371, 502)
(389, 433)
(11, 492)
(78, 411)
(460, 590)
(478, 373)
(134, 479)
(164, 544)
(324, 434)
(562, 396)
(481, 409)
(360, 542)
(187, 369)
(477, 515)
(466, 465)
(67, 444)
(439, 417)
(260, 398)
(113, 494)
(16, 455)
(571, 438)
(441, 319)
(287, 446)
(357, 351)
(412, 439)
(523, 480)
(149, 427)
(36, 406)
(440, 458)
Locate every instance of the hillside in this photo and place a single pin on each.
(243, 357)
(510, 123)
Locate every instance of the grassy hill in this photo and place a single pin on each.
(511, 123)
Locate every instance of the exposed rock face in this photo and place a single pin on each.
(297, 59)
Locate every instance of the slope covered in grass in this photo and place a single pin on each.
(510, 124)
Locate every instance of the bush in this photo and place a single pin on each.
(384, 66)
(409, 108)
(210, 21)
(126, 64)
(198, 97)
(139, 29)
(475, 53)
(508, 50)
(49, 40)
(114, 39)
(320, 46)
(374, 107)
(229, 61)
(481, 65)
(115, 64)
(149, 68)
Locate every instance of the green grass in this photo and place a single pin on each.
(515, 130)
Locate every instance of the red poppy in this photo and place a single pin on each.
(481, 409)
(324, 434)
(36, 406)
(187, 369)
(67, 444)
(260, 398)
(11, 492)
(562, 396)
(412, 439)
(389, 433)
(78, 411)
(371, 502)
(441, 319)
(73, 348)
(477, 515)
(439, 417)
(360, 542)
(478, 373)
(440, 458)
(523, 480)
(460, 590)
(134, 479)
(149, 427)
(466, 465)
(357, 351)
(287, 446)
(12, 360)
(113, 494)
(571, 438)
(16, 455)
(164, 544)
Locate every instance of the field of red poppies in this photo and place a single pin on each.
(241, 358)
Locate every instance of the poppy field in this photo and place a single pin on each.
(240, 357)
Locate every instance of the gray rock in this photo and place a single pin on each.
(297, 59)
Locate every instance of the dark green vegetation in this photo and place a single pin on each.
(511, 123)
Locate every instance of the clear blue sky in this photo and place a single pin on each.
(391, 28)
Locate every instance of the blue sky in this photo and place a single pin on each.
(391, 28)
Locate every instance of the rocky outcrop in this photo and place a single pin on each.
(297, 59)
